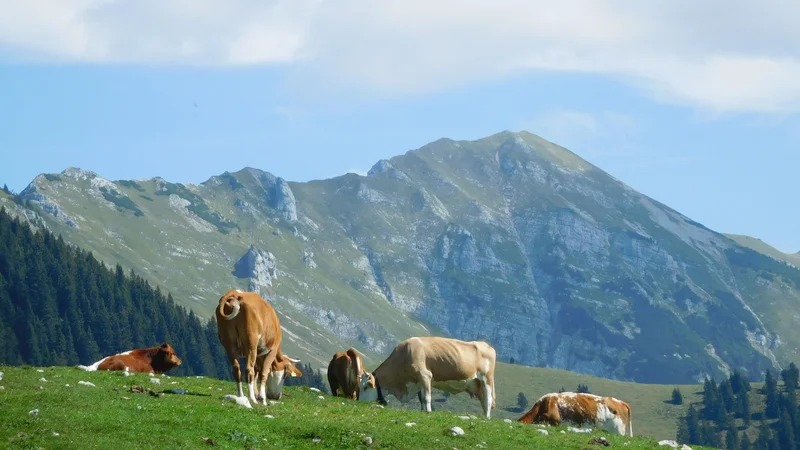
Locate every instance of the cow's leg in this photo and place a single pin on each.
(237, 373)
(485, 392)
(425, 398)
(251, 369)
(334, 384)
(264, 370)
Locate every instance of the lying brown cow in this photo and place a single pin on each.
(248, 327)
(420, 363)
(154, 360)
(578, 409)
(346, 374)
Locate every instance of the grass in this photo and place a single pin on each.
(110, 416)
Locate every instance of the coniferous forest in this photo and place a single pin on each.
(60, 306)
(727, 413)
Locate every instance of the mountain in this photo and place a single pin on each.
(766, 249)
(510, 238)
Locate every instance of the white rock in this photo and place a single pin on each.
(174, 382)
(87, 383)
(563, 432)
(2, 388)
(685, 447)
(269, 416)
(40, 370)
(580, 430)
(34, 412)
(507, 420)
(1, 376)
(410, 424)
(66, 385)
(464, 417)
(42, 380)
(544, 432)
(314, 389)
(456, 431)
(241, 401)
(316, 440)
(155, 381)
(368, 440)
(56, 434)
(321, 397)
(668, 443)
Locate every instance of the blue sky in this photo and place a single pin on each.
(694, 108)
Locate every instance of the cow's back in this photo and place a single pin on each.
(451, 359)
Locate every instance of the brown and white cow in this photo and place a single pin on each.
(154, 360)
(580, 409)
(248, 327)
(346, 375)
(420, 363)
(282, 367)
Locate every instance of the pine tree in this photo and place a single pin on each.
(693, 426)
(746, 444)
(771, 390)
(677, 397)
(732, 438)
(582, 388)
(764, 437)
(791, 376)
(522, 401)
(785, 432)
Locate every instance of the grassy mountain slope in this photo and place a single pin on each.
(764, 248)
(509, 239)
(109, 415)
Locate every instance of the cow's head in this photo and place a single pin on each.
(165, 359)
(367, 392)
(282, 367)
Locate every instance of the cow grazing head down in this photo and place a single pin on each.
(366, 386)
(165, 359)
(282, 367)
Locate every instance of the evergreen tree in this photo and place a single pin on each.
(785, 432)
(693, 426)
(732, 438)
(744, 407)
(582, 388)
(764, 437)
(683, 435)
(677, 397)
(522, 401)
(771, 390)
(746, 444)
(791, 376)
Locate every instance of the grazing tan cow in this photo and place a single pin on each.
(248, 327)
(282, 367)
(346, 374)
(154, 360)
(578, 409)
(420, 363)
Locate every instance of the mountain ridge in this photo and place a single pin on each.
(509, 238)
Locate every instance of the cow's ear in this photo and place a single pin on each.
(165, 345)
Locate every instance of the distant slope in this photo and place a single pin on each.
(509, 239)
(766, 249)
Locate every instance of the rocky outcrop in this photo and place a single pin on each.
(259, 266)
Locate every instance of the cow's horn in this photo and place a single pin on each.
(292, 359)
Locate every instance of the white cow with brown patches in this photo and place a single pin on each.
(420, 363)
(578, 409)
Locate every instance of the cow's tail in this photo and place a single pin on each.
(630, 419)
(355, 362)
(530, 415)
(235, 307)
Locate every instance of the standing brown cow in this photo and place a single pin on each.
(248, 327)
(346, 374)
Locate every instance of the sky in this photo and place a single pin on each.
(695, 104)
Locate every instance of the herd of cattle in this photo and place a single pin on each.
(248, 327)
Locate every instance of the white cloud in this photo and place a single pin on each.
(718, 55)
